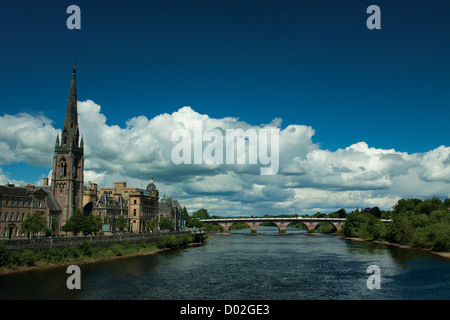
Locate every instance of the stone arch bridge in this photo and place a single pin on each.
(281, 223)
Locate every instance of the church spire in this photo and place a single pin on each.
(70, 130)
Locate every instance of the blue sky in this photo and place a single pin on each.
(311, 63)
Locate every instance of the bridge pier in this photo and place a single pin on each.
(311, 225)
(253, 226)
(226, 226)
(337, 225)
(282, 225)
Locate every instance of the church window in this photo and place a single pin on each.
(63, 168)
(74, 172)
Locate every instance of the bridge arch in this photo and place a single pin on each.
(214, 226)
(281, 223)
(326, 227)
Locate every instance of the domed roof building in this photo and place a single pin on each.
(151, 186)
(151, 189)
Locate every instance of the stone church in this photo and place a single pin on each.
(68, 161)
(56, 203)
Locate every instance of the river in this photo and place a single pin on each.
(244, 266)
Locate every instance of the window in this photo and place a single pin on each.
(134, 211)
(23, 216)
(134, 201)
(63, 168)
(17, 216)
(74, 171)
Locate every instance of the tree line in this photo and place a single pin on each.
(416, 222)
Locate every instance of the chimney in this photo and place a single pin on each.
(45, 181)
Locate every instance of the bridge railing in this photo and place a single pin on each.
(280, 219)
(269, 219)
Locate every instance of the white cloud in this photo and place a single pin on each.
(309, 178)
(26, 138)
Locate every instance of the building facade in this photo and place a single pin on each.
(90, 193)
(142, 204)
(110, 209)
(169, 208)
(17, 203)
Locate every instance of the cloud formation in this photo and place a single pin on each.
(309, 179)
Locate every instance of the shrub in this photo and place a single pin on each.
(86, 248)
(169, 241)
(5, 255)
(117, 249)
(28, 258)
(185, 239)
(71, 253)
(50, 254)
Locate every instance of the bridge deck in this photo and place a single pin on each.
(280, 219)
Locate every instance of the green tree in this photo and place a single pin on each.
(430, 205)
(407, 206)
(122, 222)
(185, 215)
(441, 215)
(77, 222)
(194, 223)
(93, 224)
(34, 224)
(446, 204)
(201, 214)
(165, 224)
(364, 225)
(150, 225)
(401, 230)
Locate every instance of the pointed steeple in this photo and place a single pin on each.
(70, 130)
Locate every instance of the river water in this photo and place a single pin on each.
(244, 266)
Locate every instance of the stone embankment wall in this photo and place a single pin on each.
(95, 241)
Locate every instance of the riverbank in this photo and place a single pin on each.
(78, 262)
(403, 246)
(114, 252)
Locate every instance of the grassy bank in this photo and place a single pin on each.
(14, 261)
